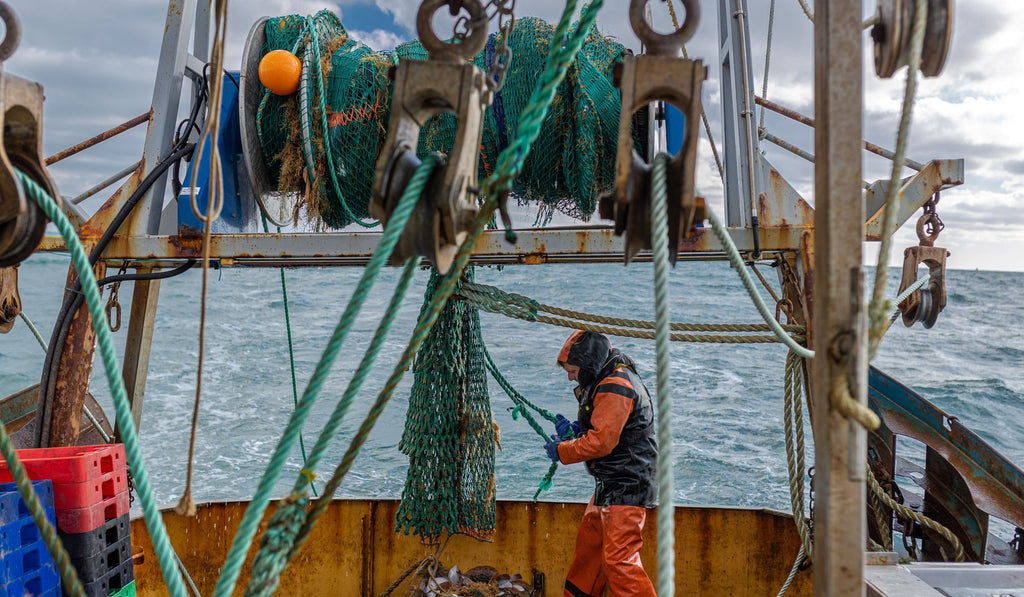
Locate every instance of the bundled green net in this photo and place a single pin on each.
(571, 163)
(449, 431)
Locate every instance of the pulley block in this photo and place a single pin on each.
(22, 222)
(925, 303)
(894, 21)
(657, 76)
(445, 83)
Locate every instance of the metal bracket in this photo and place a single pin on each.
(22, 222)
(445, 83)
(661, 76)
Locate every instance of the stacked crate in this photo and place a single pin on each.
(90, 499)
(26, 567)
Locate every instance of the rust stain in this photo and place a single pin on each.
(187, 246)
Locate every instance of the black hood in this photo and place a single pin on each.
(590, 353)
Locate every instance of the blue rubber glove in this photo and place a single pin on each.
(552, 448)
(564, 427)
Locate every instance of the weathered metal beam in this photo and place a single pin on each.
(839, 343)
(794, 115)
(59, 422)
(914, 192)
(117, 130)
(578, 244)
(138, 344)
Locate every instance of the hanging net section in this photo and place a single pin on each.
(450, 434)
(571, 163)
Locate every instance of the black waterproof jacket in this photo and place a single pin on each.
(626, 476)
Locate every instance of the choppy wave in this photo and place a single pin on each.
(727, 412)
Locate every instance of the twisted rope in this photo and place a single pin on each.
(490, 297)
(666, 498)
(794, 432)
(880, 307)
(521, 404)
(509, 164)
(921, 519)
(792, 571)
(35, 331)
(154, 522)
(257, 506)
(295, 508)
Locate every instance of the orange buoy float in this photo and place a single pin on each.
(280, 71)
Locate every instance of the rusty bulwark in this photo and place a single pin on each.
(354, 550)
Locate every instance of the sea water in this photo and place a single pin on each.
(727, 440)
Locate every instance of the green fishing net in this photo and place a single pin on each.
(449, 431)
(571, 162)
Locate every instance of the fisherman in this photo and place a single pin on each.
(614, 436)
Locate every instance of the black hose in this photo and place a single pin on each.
(51, 365)
(47, 383)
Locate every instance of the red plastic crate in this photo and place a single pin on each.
(87, 493)
(82, 520)
(74, 464)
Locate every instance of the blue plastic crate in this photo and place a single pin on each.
(22, 563)
(12, 507)
(42, 581)
(20, 533)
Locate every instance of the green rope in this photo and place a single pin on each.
(257, 506)
(879, 309)
(290, 519)
(492, 299)
(521, 404)
(509, 164)
(291, 348)
(350, 394)
(666, 479)
(315, 42)
(35, 332)
(737, 263)
(154, 522)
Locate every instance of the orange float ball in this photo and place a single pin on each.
(280, 71)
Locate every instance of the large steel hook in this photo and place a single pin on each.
(445, 83)
(658, 76)
(22, 222)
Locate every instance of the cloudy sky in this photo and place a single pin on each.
(97, 61)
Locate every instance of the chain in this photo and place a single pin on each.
(113, 305)
(504, 11)
(933, 224)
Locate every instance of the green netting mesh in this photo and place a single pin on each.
(449, 431)
(571, 163)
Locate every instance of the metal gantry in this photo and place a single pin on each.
(764, 215)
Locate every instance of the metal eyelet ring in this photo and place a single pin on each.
(438, 49)
(12, 36)
(664, 44)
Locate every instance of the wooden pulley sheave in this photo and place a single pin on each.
(658, 76)
(22, 222)
(447, 82)
(891, 33)
(925, 303)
